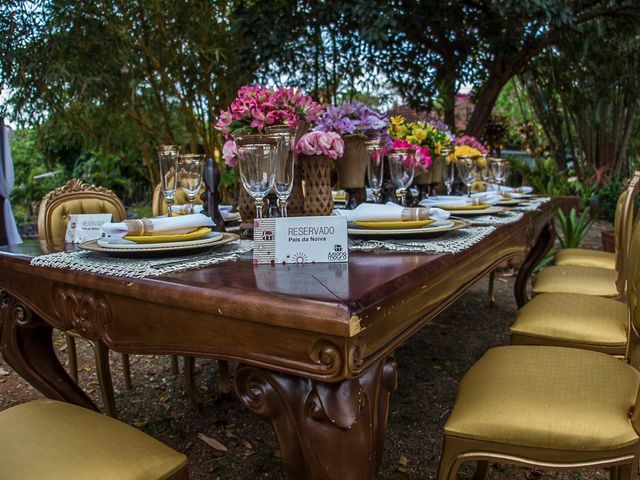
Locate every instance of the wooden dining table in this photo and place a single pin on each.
(315, 342)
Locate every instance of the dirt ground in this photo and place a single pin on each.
(430, 366)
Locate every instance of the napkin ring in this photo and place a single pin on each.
(139, 227)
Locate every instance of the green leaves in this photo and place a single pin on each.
(573, 227)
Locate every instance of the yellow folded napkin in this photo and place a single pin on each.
(178, 237)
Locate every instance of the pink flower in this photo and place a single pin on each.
(321, 143)
(422, 156)
(230, 153)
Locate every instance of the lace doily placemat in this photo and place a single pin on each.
(501, 219)
(533, 204)
(453, 242)
(141, 267)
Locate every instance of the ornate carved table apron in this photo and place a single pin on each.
(315, 342)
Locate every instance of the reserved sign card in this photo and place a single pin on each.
(84, 227)
(300, 240)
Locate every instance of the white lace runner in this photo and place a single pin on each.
(141, 267)
(453, 242)
(501, 219)
(533, 204)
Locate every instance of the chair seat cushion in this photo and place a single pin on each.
(47, 440)
(571, 279)
(547, 397)
(574, 318)
(584, 257)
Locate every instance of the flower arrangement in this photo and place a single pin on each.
(321, 143)
(354, 118)
(422, 156)
(469, 141)
(256, 107)
(433, 134)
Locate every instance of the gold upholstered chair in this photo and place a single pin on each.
(551, 407)
(51, 440)
(602, 282)
(77, 197)
(159, 207)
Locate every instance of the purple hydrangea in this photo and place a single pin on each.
(354, 118)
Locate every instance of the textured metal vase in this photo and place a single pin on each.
(317, 177)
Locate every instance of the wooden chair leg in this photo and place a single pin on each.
(126, 370)
(189, 381)
(492, 282)
(103, 372)
(481, 470)
(224, 380)
(627, 471)
(174, 365)
(72, 355)
(449, 461)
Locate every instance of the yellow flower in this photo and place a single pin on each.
(482, 161)
(420, 135)
(397, 120)
(465, 151)
(401, 132)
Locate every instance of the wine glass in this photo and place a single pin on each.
(168, 162)
(467, 167)
(190, 168)
(449, 174)
(284, 169)
(483, 170)
(402, 165)
(375, 168)
(499, 168)
(256, 159)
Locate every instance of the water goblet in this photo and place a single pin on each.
(375, 168)
(449, 176)
(467, 169)
(168, 163)
(190, 168)
(402, 164)
(256, 160)
(499, 169)
(284, 169)
(484, 173)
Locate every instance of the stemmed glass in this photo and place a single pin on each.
(467, 169)
(168, 161)
(483, 170)
(499, 170)
(284, 169)
(190, 168)
(449, 174)
(256, 159)
(375, 168)
(402, 164)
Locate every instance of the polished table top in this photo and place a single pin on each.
(377, 298)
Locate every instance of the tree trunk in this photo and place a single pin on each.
(485, 101)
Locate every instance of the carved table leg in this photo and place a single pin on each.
(325, 430)
(26, 345)
(225, 386)
(540, 248)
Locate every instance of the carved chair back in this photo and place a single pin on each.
(623, 227)
(159, 206)
(75, 197)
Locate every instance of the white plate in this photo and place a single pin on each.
(485, 211)
(514, 201)
(438, 227)
(120, 244)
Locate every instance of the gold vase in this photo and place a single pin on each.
(317, 177)
(352, 166)
(295, 205)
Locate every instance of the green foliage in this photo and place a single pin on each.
(29, 163)
(573, 227)
(608, 198)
